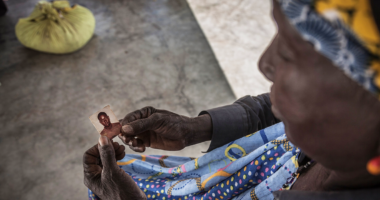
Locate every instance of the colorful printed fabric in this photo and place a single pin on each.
(251, 167)
(342, 30)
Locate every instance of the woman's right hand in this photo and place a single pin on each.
(161, 129)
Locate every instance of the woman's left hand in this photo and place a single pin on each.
(104, 177)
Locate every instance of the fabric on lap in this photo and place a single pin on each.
(239, 170)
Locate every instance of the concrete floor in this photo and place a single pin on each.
(238, 31)
(143, 53)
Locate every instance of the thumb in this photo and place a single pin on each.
(141, 125)
(107, 153)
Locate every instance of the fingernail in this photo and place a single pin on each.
(103, 140)
(127, 129)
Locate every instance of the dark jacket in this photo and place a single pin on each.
(246, 115)
(250, 114)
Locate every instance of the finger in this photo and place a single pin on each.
(91, 156)
(120, 153)
(142, 125)
(120, 156)
(137, 145)
(145, 137)
(164, 112)
(138, 114)
(119, 149)
(137, 149)
(116, 145)
(107, 154)
(126, 139)
(91, 167)
(137, 142)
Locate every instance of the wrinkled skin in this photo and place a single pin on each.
(161, 129)
(104, 177)
(328, 115)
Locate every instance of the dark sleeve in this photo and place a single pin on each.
(246, 115)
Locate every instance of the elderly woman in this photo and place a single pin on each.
(315, 136)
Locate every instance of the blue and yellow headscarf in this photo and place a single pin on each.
(344, 31)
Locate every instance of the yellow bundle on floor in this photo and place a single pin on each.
(56, 27)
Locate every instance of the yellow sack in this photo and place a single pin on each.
(56, 27)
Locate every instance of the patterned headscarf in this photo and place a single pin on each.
(342, 30)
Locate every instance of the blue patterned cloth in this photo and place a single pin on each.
(251, 167)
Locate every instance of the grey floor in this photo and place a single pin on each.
(143, 53)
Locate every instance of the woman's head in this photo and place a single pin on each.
(328, 115)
